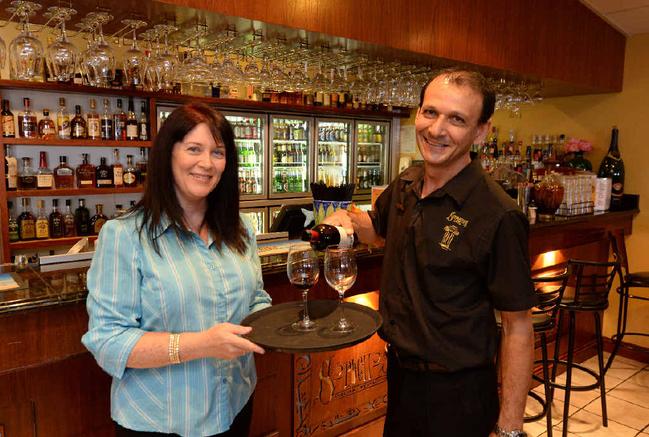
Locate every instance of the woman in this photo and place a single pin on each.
(168, 285)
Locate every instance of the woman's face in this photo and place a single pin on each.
(197, 163)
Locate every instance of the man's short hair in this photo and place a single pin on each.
(474, 80)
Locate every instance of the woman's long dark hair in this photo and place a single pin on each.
(159, 199)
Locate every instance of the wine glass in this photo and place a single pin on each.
(61, 56)
(303, 269)
(340, 273)
(25, 50)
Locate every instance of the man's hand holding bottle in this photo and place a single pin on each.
(356, 221)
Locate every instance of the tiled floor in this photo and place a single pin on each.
(627, 400)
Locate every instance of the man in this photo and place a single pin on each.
(455, 249)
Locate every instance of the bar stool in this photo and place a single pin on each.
(549, 292)
(593, 281)
(627, 281)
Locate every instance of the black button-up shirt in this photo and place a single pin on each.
(450, 259)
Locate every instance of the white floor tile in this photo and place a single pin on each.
(584, 423)
(641, 378)
(631, 392)
(621, 368)
(621, 411)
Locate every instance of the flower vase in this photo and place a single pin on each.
(580, 163)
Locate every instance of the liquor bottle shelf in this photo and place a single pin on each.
(49, 242)
(75, 143)
(65, 88)
(62, 192)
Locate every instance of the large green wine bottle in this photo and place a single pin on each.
(612, 167)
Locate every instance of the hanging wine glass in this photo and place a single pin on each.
(99, 59)
(165, 61)
(61, 56)
(134, 58)
(25, 51)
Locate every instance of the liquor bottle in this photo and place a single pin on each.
(11, 170)
(46, 127)
(103, 177)
(130, 172)
(57, 223)
(42, 222)
(322, 235)
(106, 122)
(85, 173)
(78, 124)
(14, 234)
(612, 167)
(63, 174)
(97, 220)
(8, 127)
(78, 79)
(27, 179)
(117, 170)
(68, 219)
(131, 122)
(143, 123)
(44, 177)
(26, 221)
(82, 218)
(141, 166)
(119, 122)
(27, 125)
(63, 121)
(94, 125)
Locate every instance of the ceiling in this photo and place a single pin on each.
(628, 16)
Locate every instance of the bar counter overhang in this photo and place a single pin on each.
(51, 385)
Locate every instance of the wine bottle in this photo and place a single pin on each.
(321, 236)
(612, 167)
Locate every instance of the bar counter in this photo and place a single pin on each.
(50, 385)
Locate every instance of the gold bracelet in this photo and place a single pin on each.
(174, 348)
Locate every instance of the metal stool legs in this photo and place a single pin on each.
(570, 366)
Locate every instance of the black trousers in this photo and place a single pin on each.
(240, 426)
(428, 404)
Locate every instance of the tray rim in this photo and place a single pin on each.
(366, 309)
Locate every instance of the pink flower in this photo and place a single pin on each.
(578, 145)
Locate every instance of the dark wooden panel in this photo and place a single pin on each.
(557, 39)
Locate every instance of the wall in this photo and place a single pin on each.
(591, 117)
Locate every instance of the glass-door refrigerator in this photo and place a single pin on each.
(371, 155)
(333, 159)
(290, 154)
(249, 137)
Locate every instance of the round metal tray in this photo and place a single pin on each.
(271, 327)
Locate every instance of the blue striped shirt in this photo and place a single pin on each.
(190, 287)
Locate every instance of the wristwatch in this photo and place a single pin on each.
(513, 433)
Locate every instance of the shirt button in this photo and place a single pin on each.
(224, 380)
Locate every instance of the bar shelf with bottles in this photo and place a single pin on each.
(50, 242)
(249, 138)
(60, 134)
